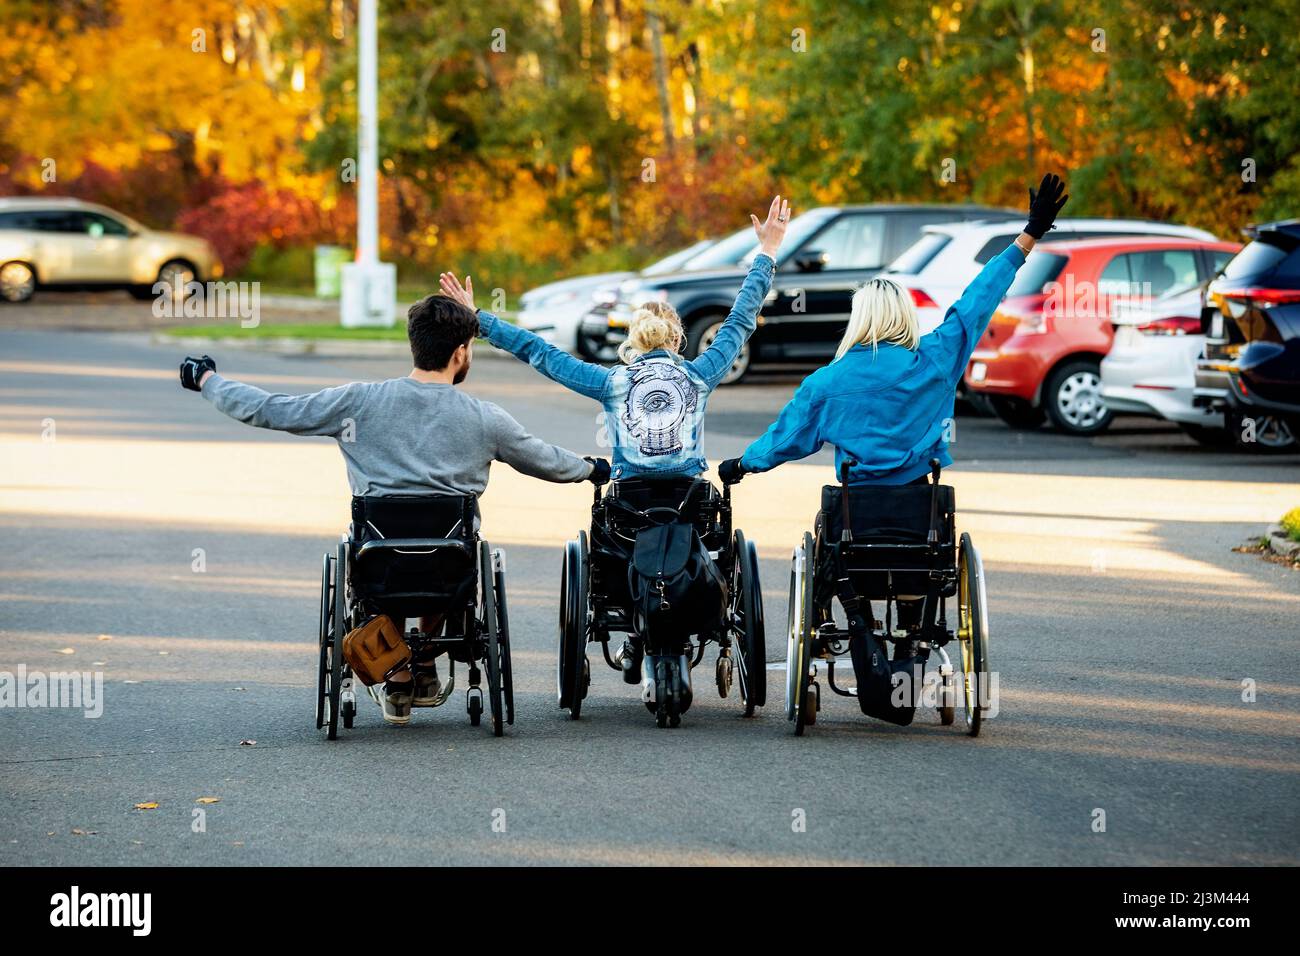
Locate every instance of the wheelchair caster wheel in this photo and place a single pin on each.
(474, 705)
(812, 703)
(948, 701)
(724, 675)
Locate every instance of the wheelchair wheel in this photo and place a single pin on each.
(492, 644)
(972, 633)
(571, 663)
(503, 635)
(336, 643)
(326, 623)
(799, 644)
(747, 608)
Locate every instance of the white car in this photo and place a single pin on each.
(938, 266)
(1151, 367)
(56, 242)
(555, 310)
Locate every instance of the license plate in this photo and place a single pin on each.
(978, 372)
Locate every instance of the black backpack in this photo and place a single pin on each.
(675, 585)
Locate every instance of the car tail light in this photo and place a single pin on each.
(1177, 325)
(921, 299)
(1263, 297)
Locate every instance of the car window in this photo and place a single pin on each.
(55, 220)
(1116, 278)
(920, 253)
(96, 224)
(905, 228)
(1264, 255)
(851, 242)
(1218, 259)
(993, 247)
(1039, 269)
(1156, 271)
(14, 220)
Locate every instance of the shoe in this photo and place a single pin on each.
(428, 688)
(396, 702)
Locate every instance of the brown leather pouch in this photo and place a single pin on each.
(376, 650)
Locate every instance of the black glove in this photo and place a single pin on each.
(192, 370)
(1045, 204)
(731, 471)
(599, 471)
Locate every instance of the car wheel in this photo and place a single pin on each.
(1207, 436)
(177, 274)
(1072, 399)
(1016, 412)
(701, 337)
(1260, 434)
(17, 282)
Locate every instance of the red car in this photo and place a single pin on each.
(1041, 355)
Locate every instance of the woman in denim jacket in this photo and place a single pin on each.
(654, 403)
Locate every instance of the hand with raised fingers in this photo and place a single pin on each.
(195, 371)
(771, 231)
(452, 289)
(1045, 203)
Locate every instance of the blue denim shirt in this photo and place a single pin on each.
(889, 409)
(654, 407)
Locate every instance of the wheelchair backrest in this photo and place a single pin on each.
(412, 581)
(695, 499)
(888, 513)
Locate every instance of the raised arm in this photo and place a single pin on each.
(529, 454)
(951, 344)
(585, 378)
(321, 413)
(712, 365)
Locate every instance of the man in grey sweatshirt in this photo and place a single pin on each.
(406, 436)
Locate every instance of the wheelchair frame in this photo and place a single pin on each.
(478, 632)
(589, 615)
(814, 636)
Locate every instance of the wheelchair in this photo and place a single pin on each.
(873, 544)
(595, 600)
(412, 556)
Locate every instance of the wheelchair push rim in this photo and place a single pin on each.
(747, 600)
(323, 637)
(340, 632)
(571, 657)
(491, 643)
(972, 634)
(799, 643)
(503, 634)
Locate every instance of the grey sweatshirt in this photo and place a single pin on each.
(403, 437)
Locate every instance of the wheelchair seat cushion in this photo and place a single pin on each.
(886, 513)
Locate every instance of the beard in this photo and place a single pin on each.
(460, 375)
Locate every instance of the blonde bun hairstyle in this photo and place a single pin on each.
(654, 325)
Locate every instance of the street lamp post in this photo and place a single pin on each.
(369, 290)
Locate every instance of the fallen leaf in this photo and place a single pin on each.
(77, 831)
(239, 688)
(146, 806)
(208, 800)
(238, 843)
(130, 682)
(163, 653)
(104, 637)
(66, 650)
(247, 743)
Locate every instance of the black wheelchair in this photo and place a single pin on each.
(595, 596)
(408, 557)
(879, 544)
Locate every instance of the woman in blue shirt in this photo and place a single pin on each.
(654, 403)
(885, 399)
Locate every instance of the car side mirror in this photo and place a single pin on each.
(811, 260)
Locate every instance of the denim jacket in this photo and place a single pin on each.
(889, 409)
(654, 407)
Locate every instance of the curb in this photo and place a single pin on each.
(328, 348)
(1281, 544)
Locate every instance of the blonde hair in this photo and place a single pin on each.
(883, 311)
(654, 325)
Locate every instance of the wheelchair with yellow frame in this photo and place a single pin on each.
(891, 558)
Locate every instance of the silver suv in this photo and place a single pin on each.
(66, 243)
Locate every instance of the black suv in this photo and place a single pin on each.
(1251, 365)
(827, 254)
